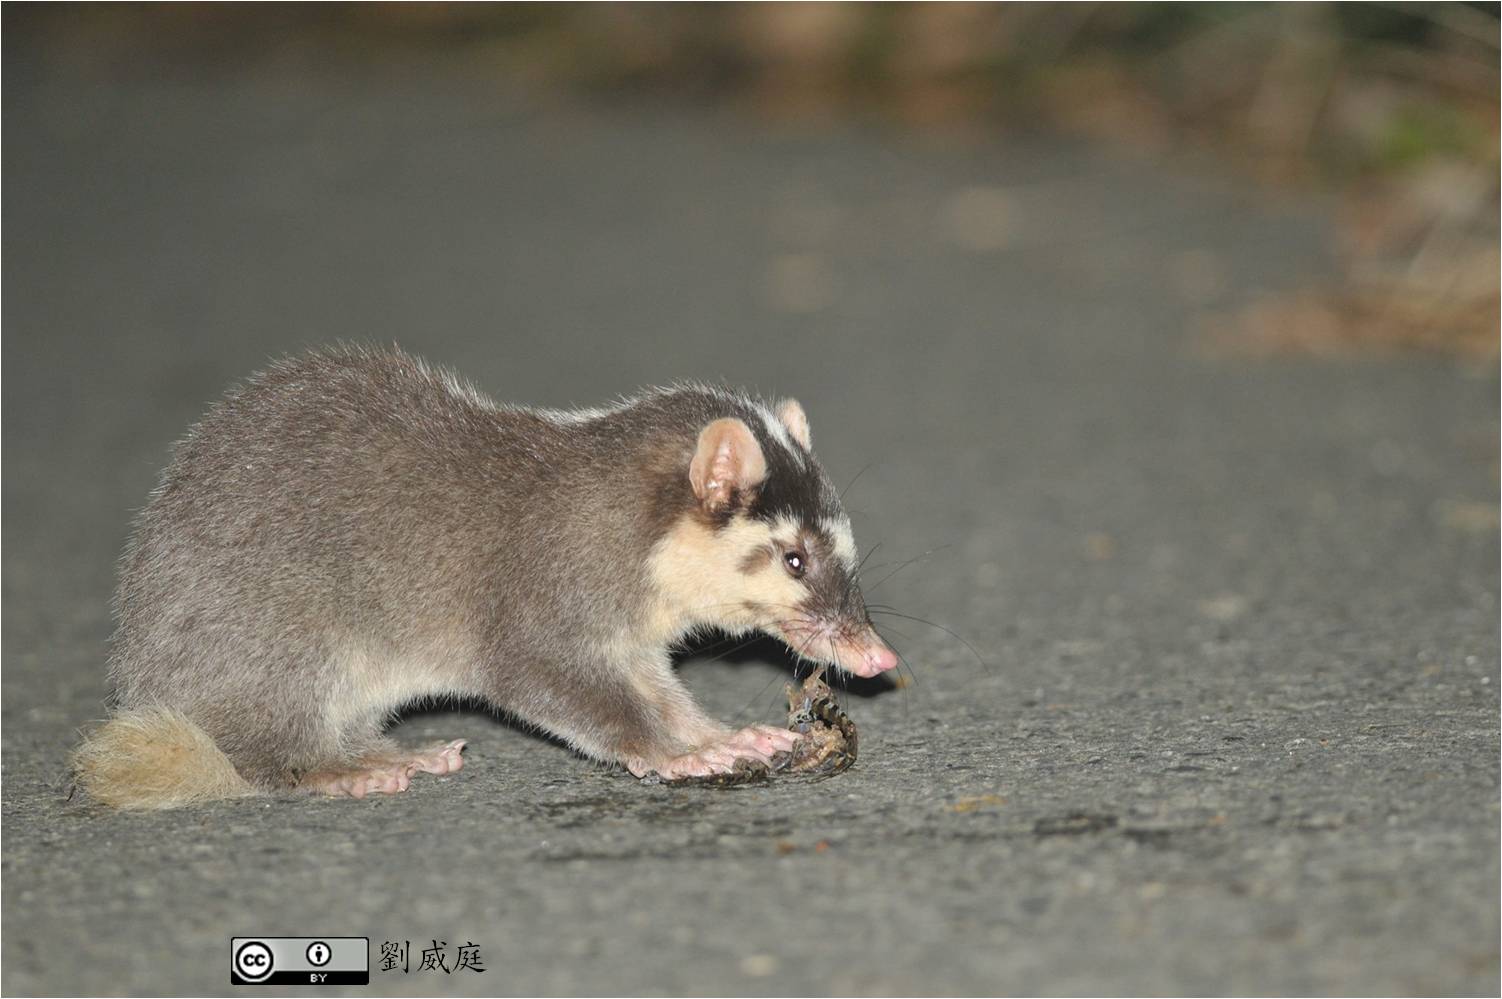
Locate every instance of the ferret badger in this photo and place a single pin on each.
(352, 530)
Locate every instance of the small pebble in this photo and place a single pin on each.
(759, 965)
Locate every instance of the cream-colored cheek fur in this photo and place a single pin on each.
(699, 581)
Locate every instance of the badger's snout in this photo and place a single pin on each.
(866, 654)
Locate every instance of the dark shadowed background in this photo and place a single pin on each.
(1159, 341)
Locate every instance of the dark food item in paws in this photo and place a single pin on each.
(829, 744)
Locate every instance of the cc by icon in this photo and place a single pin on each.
(253, 961)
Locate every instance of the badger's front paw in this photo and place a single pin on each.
(754, 745)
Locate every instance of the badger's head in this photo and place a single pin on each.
(765, 544)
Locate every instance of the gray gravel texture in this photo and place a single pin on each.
(1233, 722)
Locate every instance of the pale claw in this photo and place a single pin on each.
(445, 758)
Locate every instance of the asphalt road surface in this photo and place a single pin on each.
(1231, 721)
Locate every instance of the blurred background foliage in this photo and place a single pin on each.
(1392, 108)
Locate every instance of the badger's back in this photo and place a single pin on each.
(331, 495)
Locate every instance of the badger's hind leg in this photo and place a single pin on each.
(385, 770)
(366, 692)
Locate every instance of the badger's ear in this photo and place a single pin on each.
(792, 416)
(727, 461)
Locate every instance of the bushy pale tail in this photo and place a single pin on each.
(154, 757)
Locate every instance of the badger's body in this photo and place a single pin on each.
(352, 531)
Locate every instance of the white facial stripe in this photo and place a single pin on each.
(780, 434)
(844, 541)
(785, 530)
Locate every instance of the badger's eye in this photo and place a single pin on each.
(796, 563)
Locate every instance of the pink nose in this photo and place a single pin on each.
(877, 659)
